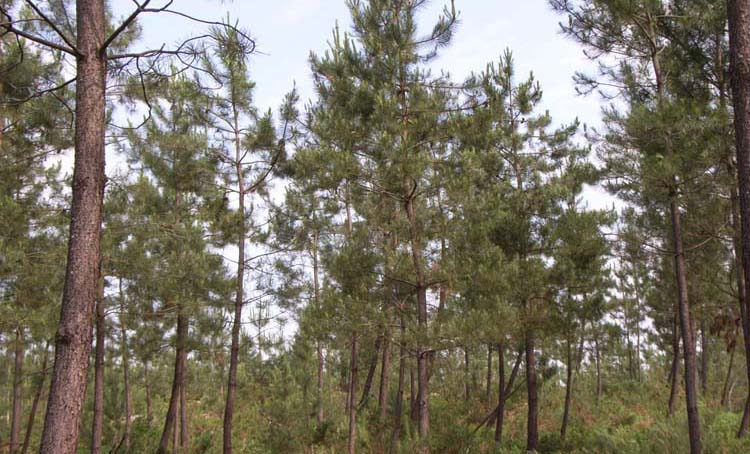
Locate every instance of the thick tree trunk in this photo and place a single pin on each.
(688, 343)
(532, 428)
(98, 420)
(184, 436)
(73, 339)
(353, 368)
(568, 391)
(170, 420)
(15, 419)
(738, 12)
(741, 299)
(399, 403)
(35, 402)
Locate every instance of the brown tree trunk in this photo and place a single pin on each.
(73, 339)
(35, 402)
(500, 394)
(488, 390)
(370, 373)
(184, 436)
(568, 390)
(125, 374)
(725, 389)
(738, 12)
(239, 298)
(532, 428)
(704, 358)
(688, 343)
(98, 419)
(467, 375)
(15, 419)
(385, 375)
(742, 299)
(397, 409)
(675, 367)
(352, 394)
(170, 420)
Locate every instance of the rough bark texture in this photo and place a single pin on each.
(73, 339)
(738, 12)
(500, 394)
(568, 391)
(675, 367)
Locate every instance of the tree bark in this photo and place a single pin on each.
(704, 358)
(184, 436)
(675, 368)
(35, 402)
(688, 343)
(370, 373)
(385, 375)
(239, 299)
(398, 407)
(488, 390)
(73, 339)
(568, 390)
(532, 428)
(170, 420)
(98, 419)
(500, 394)
(725, 389)
(125, 374)
(738, 12)
(15, 419)
(352, 394)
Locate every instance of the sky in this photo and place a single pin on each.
(286, 31)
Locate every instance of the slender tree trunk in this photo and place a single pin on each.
(738, 12)
(385, 374)
(98, 419)
(147, 386)
(688, 343)
(184, 436)
(568, 390)
(532, 428)
(397, 409)
(675, 368)
(125, 373)
(73, 339)
(170, 421)
(467, 375)
(319, 414)
(35, 402)
(413, 404)
(352, 394)
(15, 419)
(725, 389)
(704, 358)
(239, 298)
(598, 360)
(488, 391)
(370, 373)
(500, 394)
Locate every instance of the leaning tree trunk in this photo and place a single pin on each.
(170, 421)
(73, 339)
(738, 12)
(15, 419)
